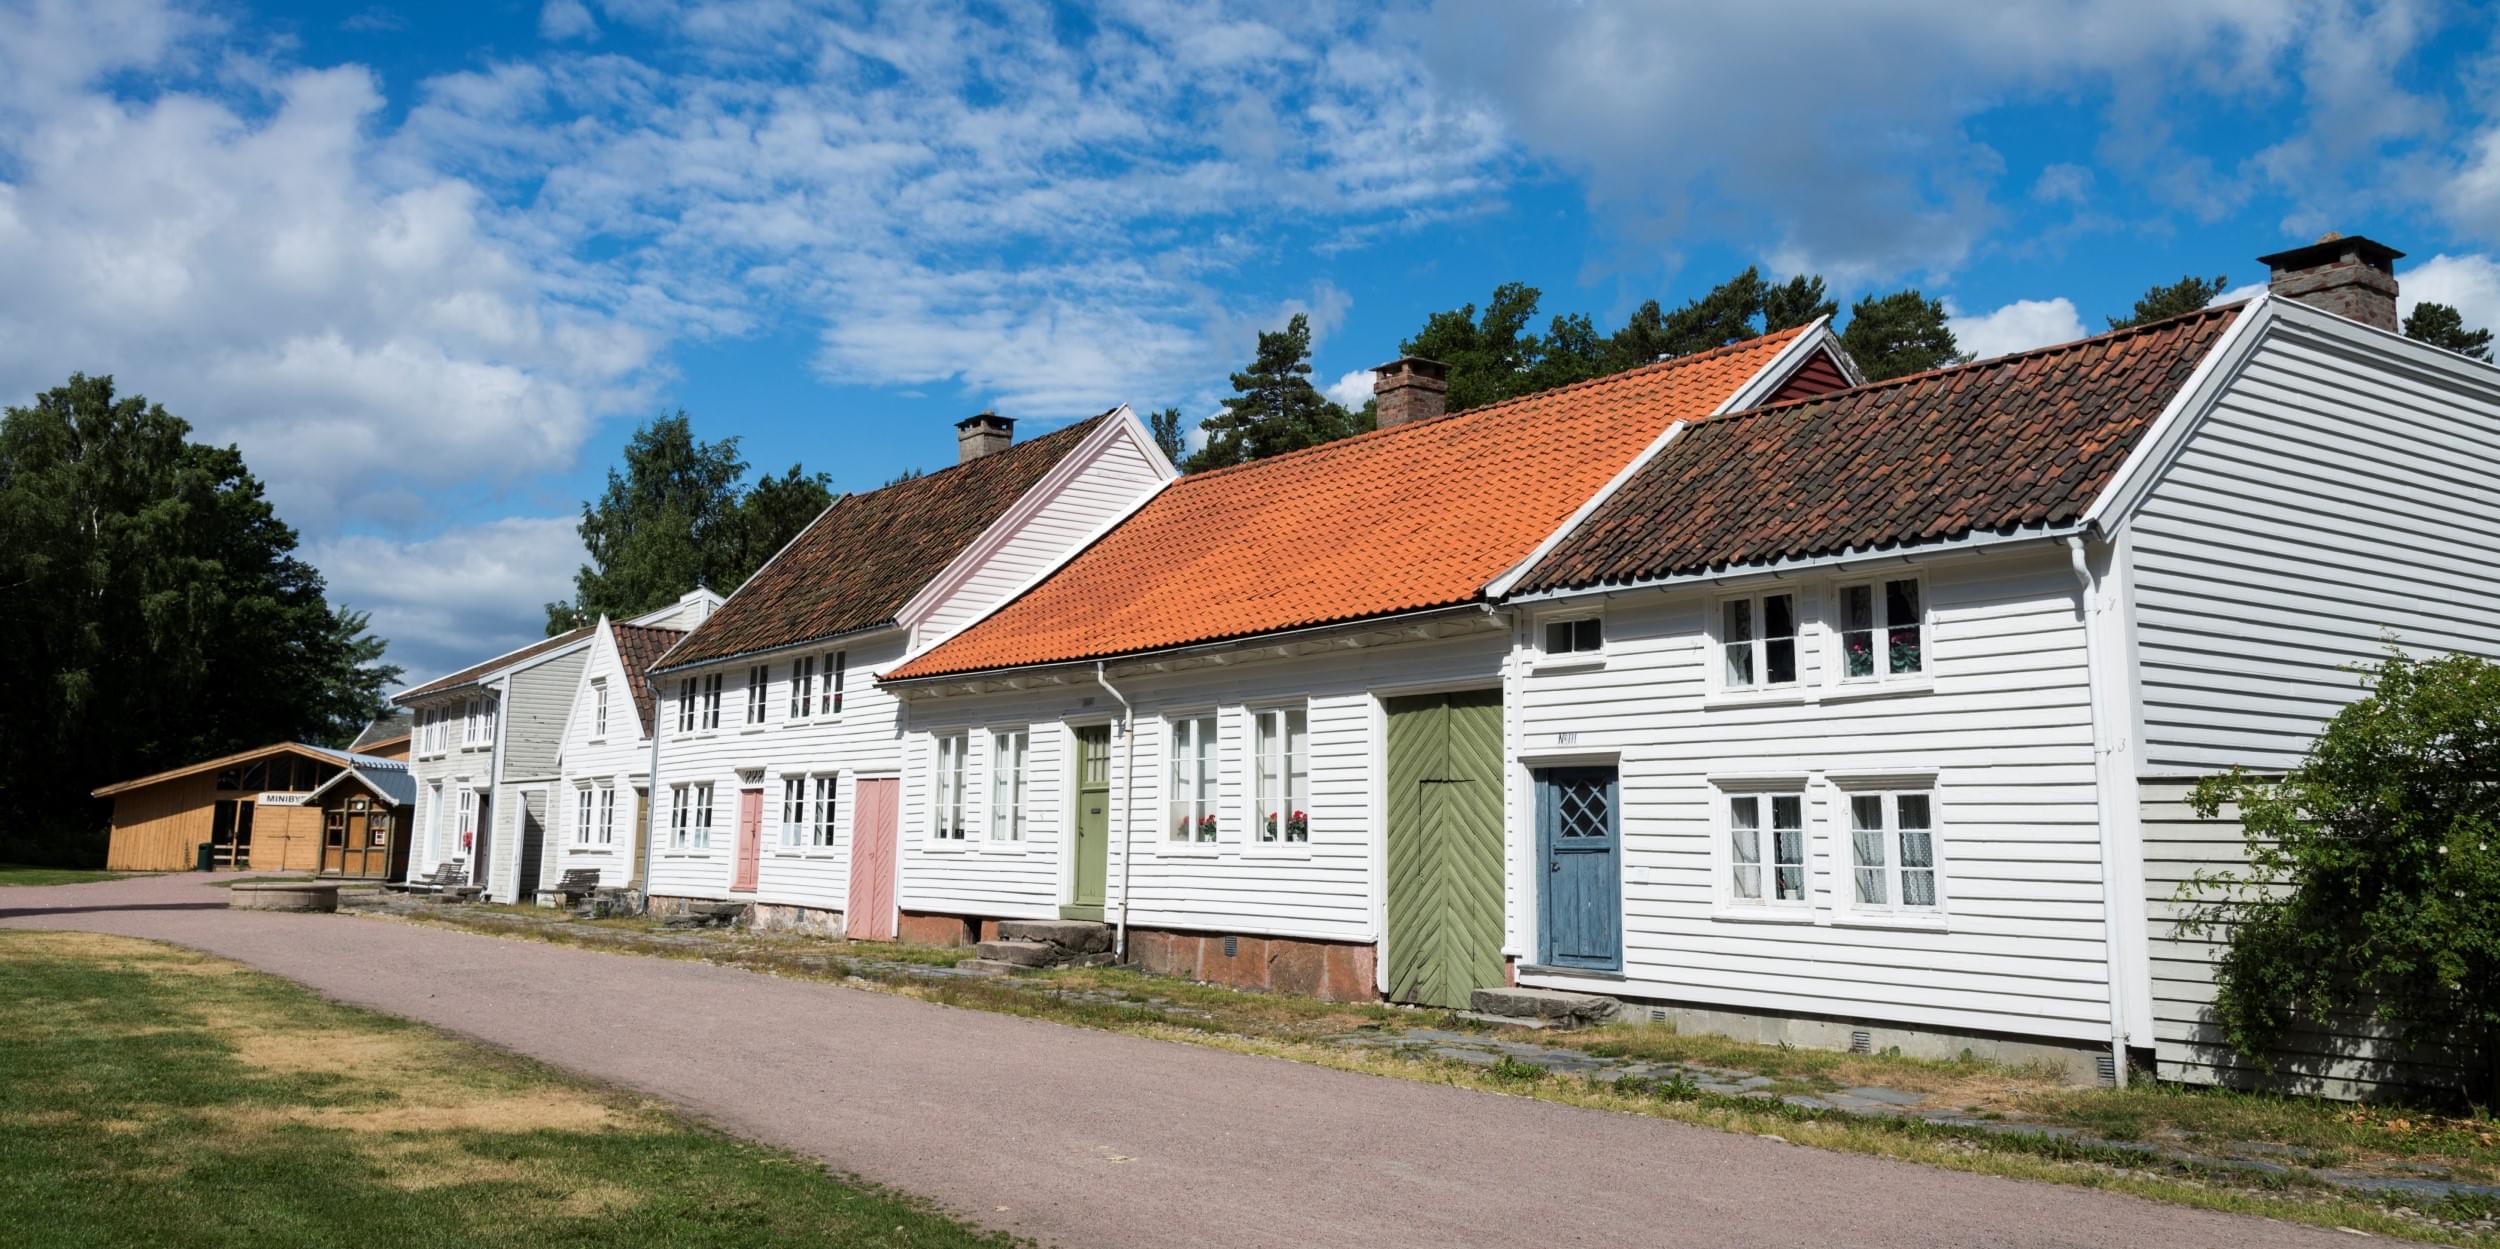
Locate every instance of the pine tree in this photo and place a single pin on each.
(1274, 408)
(2443, 326)
(1166, 428)
(1797, 301)
(2176, 299)
(1898, 334)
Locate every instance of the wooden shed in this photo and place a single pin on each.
(231, 803)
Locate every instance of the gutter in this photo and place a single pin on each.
(1231, 643)
(779, 648)
(1844, 562)
(1128, 790)
(2112, 916)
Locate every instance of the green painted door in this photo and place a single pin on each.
(1445, 846)
(1093, 824)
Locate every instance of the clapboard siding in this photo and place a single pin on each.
(2331, 460)
(2006, 728)
(864, 737)
(1324, 890)
(2352, 1057)
(1098, 489)
(619, 758)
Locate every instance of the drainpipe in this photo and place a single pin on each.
(1128, 789)
(650, 810)
(2110, 910)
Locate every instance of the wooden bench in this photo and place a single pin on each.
(574, 886)
(448, 883)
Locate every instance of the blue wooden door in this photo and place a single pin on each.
(1579, 836)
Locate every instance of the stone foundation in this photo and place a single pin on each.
(287, 896)
(923, 928)
(1333, 971)
(2077, 1063)
(662, 906)
(813, 920)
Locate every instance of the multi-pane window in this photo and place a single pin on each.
(1192, 779)
(946, 802)
(1767, 848)
(1283, 753)
(1758, 641)
(583, 806)
(607, 814)
(1007, 760)
(1892, 850)
(1584, 636)
(711, 701)
(803, 688)
(599, 707)
(837, 666)
(1882, 630)
(807, 812)
(468, 819)
(759, 681)
(685, 705)
(690, 817)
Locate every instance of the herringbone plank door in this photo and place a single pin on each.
(1444, 846)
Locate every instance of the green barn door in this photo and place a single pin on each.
(1445, 846)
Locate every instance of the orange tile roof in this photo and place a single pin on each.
(1401, 519)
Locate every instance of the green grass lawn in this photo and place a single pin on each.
(156, 1097)
(12, 874)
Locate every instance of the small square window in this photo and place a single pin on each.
(1758, 642)
(1882, 630)
(1892, 851)
(1584, 636)
(1767, 849)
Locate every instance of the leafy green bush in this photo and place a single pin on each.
(2373, 880)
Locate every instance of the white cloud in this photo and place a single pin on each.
(2469, 283)
(2471, 198)
(566, 19)
(2063, 183)
(463, 595)
(2018, 326)
(1354, 389)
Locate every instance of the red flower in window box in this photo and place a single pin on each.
(1297, 826)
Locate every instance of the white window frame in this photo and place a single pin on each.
(1758, 647)
(711, 702)
(1575, 624)
(685, 704)
(583, 807)
(1764, 793)
(1879, 603)
(1202, 826)
(829, 697)
(1273, 776)
(1010, 765)
(466, 830)
(607, 814)
(946, 787)
(793, 810)
(598, 709)
(759, 695)
(803, 687)
(1887, 791)
(690, 817)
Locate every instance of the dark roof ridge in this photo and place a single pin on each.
(2101, 339)
(1654, 366)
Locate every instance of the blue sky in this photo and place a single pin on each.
(430, 265)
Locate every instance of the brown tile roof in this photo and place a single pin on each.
(1401, 519)
(2000, 445)
(856, 565)
(639, 647)
(497, 664)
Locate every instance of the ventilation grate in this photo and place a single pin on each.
(2107, 1066)
(1657, 1014)
(1861, 1042)
(1232, 945)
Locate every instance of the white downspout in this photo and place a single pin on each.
(1128, 790)
(650, 809)
(2111, 915)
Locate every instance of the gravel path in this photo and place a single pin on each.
(1084, 1138)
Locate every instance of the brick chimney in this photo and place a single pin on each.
(1410, 388)
(2352, 277)
(984, 434)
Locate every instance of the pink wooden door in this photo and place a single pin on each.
(871, 914)
(750, 840)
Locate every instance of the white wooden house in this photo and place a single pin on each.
(603, 788)
(1181, 732)
(483, 755)
(1869, 720)
(778, 756)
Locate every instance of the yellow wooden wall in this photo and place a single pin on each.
(286, 838)
(157, 828)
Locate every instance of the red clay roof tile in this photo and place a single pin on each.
(1997, 446)
(1412, 517)
(639, 647)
